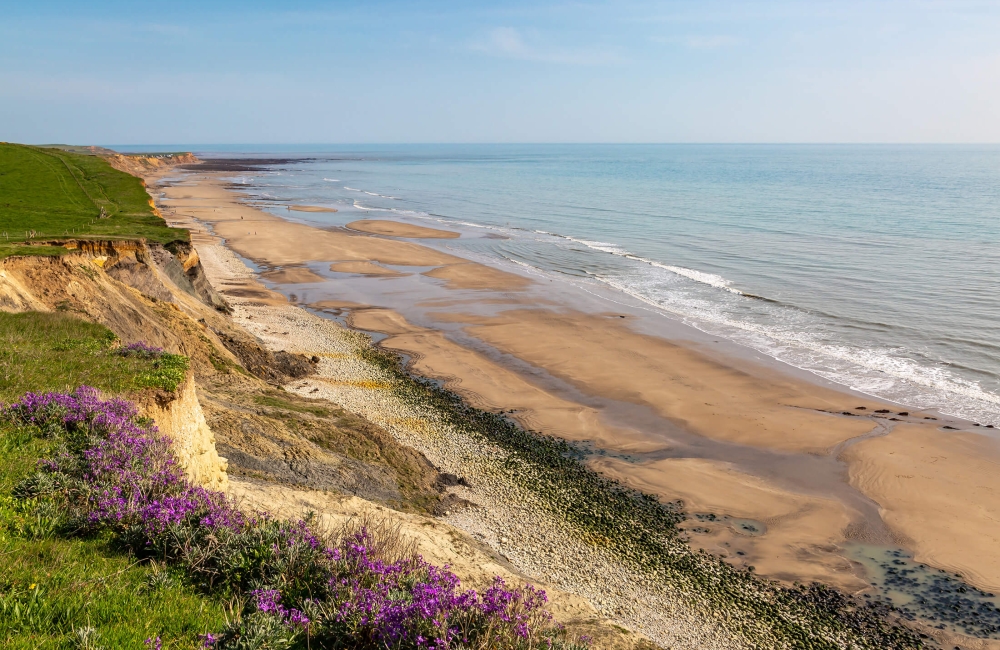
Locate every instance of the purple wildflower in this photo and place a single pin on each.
(141, 350)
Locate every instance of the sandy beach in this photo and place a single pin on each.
(777, 471)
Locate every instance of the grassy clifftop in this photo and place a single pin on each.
(48, 193)
(58, 592)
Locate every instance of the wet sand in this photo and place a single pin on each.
(292, 275)
(730, 436)
(311, 208)
(941, 490)
(470, 275)
(801, 520)
(396, 229)
(362, 268)
(273, 242)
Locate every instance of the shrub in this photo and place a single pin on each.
(141, 350)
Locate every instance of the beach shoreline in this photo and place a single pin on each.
(733, 438)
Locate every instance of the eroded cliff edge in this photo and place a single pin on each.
(142, 293)
(179, 416)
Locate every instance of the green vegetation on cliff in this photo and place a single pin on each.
(48, 194)
(55, 590)
(57, 352)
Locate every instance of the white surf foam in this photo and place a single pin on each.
(710, 279)
(604, 247)
(368, 208)
(881, 372)
(381, 196)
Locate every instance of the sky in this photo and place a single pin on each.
(397, 72)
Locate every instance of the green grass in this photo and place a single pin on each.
(277, 402)
(80, 149)
(55, 351)
(51, 586)
(48, 193)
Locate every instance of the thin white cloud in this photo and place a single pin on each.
(507, 42)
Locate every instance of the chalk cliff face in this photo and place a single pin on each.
(179, 417)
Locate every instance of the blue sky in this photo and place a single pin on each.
(324, 72)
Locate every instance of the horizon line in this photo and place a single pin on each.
(518, 143)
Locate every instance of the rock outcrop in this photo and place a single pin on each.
(179, 417)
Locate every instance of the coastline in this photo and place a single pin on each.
(593, 378)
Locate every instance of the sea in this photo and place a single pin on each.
(873, 266)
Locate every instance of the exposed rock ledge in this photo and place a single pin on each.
(179, 417)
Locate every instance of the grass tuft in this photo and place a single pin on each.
(284, 404)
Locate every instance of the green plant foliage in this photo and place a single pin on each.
(55, 351)
(50, 194)
(67, 593)
(51, 588)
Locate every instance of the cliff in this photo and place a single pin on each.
(143, 293)
(143, 164)
(124, 285)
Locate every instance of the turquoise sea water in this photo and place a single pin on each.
(874, 266)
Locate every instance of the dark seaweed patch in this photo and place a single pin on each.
(934, 596)
(643, 533)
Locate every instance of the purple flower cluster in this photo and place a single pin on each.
(141, 350)
(415, 604)
(129, 476)
(118, 473)
(269, 602)
(82, 408)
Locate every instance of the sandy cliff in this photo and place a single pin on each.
(143, 164)
(180, 418)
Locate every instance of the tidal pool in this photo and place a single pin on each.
(922, 592)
